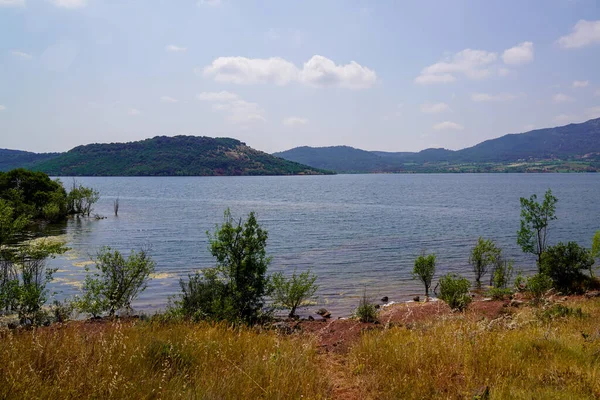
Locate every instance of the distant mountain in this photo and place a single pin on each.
(10, 159)
(169, 156)
(337, 158)
(570, 142)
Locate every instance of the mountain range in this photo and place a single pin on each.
(573, 142)
(573, 147)
(159, 156)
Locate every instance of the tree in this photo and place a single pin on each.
(116, 282)
(81, 199)
(535, 218)
(595, 249)
(294, 291)
(564, 264)
(242, 262)
(454, 290)
(483, 255)
(424, 270)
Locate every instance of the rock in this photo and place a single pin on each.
(516, 303)
(282, 327)
(592, 294)
(416, 299)
(324, 313)
(377, 306)
(310, 318)
(384, 299)
(487, 299)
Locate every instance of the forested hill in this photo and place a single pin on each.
(579, 142)
(169, 156)
(11, 159)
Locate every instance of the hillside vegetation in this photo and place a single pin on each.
(170, 156)
(574, 147)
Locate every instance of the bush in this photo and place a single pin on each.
(454, 290)
(424, 270)
(366, 311)
(204, 297)
(116, 282)
(236, 288)
(81, 199)
(564, 264)
(502, 273)
(538, 285)
(483, 255)
(561, 311)
(498, 293)
(294, 291)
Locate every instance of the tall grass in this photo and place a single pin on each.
(151, 360)
(529, 356)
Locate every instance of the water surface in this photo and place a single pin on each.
(353, 231)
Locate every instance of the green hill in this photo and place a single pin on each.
(557, 146)
(11, 159)
(170, 156)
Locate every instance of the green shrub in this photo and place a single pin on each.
(498, 293)
(502, 273)
(560, 311)
(293, 292)
(483, 255)
(564, 264)
(424, 270)
(366, 311)
(204, 297)
(116, 281)
(454, 290)
(537, 285)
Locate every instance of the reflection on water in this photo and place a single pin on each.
(354, 231)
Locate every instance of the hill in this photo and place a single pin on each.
(11, 159)
(169, 156)
(579, 142)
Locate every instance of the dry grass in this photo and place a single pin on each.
(149, 360)
(516, 357)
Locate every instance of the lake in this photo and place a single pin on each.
(356, 232)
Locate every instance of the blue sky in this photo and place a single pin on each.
(377, 75)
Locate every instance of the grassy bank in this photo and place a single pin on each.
(144, 360)
(523, 352)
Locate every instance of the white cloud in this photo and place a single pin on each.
(2, 108)
(503, 71)
(69, 3)
(168, 99)
(580, 84)
(566, 119)
(562, 98)
(241, 111)
(318, 71)
(211, 3)
(22, 55)
(321, 71)
(434, 108)
(217, 96)
(474, 64)
(12, 3)
(518, 55)
(480, 97)
(134, 111)
(528, 127)
(294, 121)
(446, 125)
(236, 110)
(592, 112)
(175, 49)
(584, 34)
